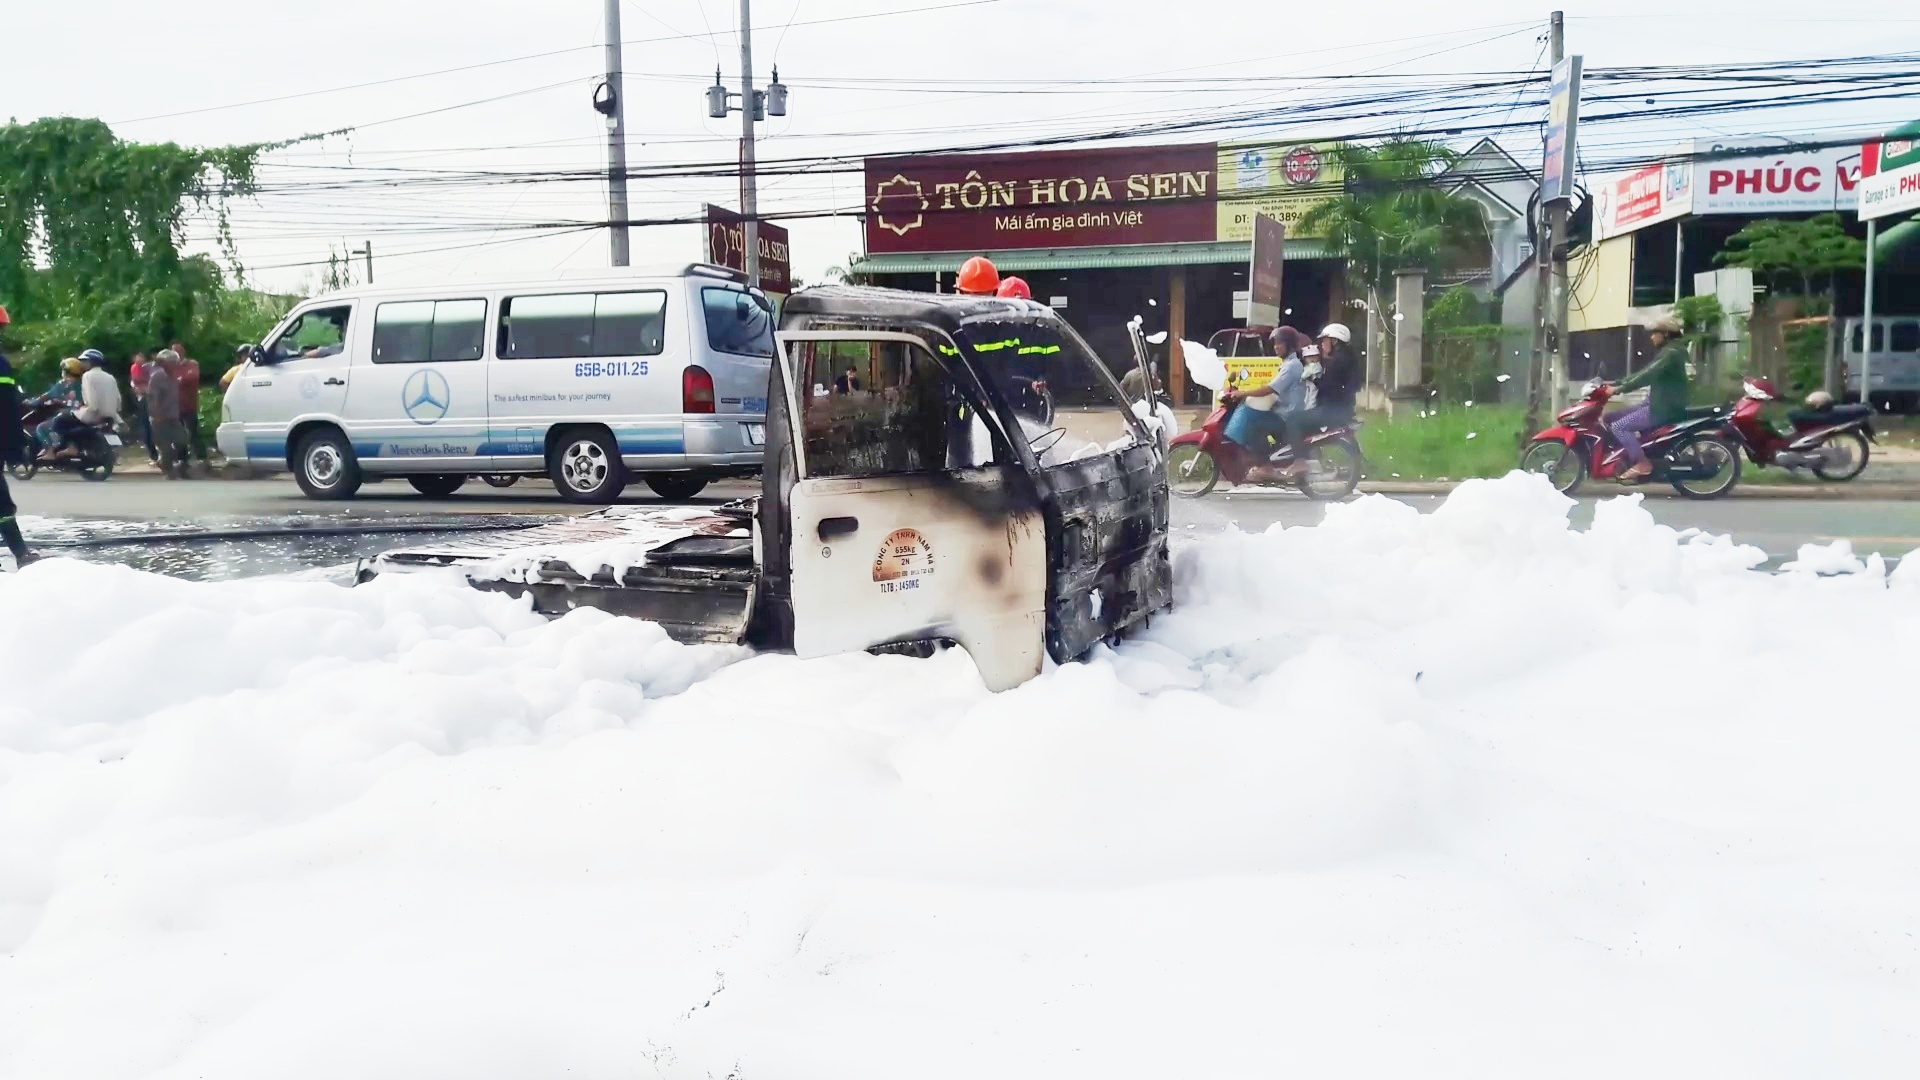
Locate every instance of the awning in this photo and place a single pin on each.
(1084, 258)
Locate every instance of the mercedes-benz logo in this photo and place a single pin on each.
(426, 396)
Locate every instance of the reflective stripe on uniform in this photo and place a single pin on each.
(7, 380)
(1040, 350)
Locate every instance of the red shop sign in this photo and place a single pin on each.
(1060, 198)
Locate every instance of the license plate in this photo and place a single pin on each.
(756, 434)
(113, 440)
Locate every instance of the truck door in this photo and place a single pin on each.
(907, 519)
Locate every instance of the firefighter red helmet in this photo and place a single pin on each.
(978, 277)
(1014, 288)
(4, 320)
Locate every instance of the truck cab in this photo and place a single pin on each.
(919, 486)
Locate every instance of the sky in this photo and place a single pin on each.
(865, 77)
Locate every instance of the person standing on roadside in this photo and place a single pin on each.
(13, 447)
(138, 371)
(163, 400)
(187, 371)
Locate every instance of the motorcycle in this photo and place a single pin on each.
(1694, 455)
(96, 448)
(1198, 459)
(1832, 441)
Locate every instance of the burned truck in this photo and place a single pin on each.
(920, 487)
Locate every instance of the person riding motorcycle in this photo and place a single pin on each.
(1260, 420)
(99, 401)
(1335, 390)
(13, 447)
(1666, 380)
(66, 391)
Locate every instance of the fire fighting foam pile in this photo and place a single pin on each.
(1466, 795)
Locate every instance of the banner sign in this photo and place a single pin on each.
(1563, 121)
(1263, 277)
(1890, 174)
(727, 246)
(1060, 198)
(1282, 181)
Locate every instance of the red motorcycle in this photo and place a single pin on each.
(1831, 440)
(1197, 460)
(1692, 455)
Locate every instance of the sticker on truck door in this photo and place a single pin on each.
(905, 557)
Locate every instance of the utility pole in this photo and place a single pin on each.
(1557, 242)
(365, 248)
(749, 106)
(755, 105)
(614, 107)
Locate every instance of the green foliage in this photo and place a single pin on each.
(1806, 345)
(1700, 316)
(1452, 443)
(1811, 250)
(1393, 215)
(91, 231)
(1464, 361)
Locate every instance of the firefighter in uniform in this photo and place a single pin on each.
(14, 446)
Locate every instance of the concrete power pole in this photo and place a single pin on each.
(366, 249)
(749, 193)
(1557, 232)
(617, 140)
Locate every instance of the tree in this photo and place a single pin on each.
(1394, 214)
(1808, 253)
(1811, 250)
(91, 232)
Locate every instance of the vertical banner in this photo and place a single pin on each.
(1263, 277)
(1563, 120)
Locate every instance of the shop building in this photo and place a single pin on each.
(1658, 231)
(1103, 235)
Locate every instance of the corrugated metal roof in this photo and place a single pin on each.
(1084, 258)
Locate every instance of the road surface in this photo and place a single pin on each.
(64, 507)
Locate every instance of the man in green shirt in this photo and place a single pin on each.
(1666, 380)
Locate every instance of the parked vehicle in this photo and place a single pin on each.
(1695, 455)
(591, 380)
(1894, 349)
(910, 495)
(96, 449)
(1830, 440)
(1199, 459)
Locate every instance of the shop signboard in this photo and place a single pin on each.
(1264, 273)
(1752, 176)
(1062, 198)
(1626, 202)
(1280, 180)
(1890, 174)
(727, 246)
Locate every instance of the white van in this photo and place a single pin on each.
(588, 380)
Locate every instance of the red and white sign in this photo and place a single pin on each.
(1891, 180)
(1801, 182)
(1634, 200)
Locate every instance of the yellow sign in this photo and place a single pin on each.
(1246, 372)
(1280, 180)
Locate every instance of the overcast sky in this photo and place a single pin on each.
(161, 71)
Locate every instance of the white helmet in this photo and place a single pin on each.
(1338, 332)
(1819, 399)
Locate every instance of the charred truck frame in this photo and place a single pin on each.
(917, 488)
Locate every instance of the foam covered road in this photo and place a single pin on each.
(1459, 794)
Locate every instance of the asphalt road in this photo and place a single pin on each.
(1777, 525)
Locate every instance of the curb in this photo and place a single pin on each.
(1593, 490)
